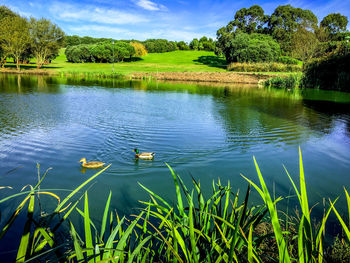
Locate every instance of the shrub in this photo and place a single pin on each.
(251, 48)
(330, 72)
(289, 60)
(290, 82)
(159, 45)
(140, 49)
(263, 67)
(101, 52)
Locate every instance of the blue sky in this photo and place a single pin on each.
(142, 19)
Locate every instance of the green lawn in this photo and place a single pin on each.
(180, 61)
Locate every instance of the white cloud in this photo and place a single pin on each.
(151, 6)
(67, 12)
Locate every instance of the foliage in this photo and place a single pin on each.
(264, 67)
(219, 228)
(140, 49)
(289, 60)
(194, 45)
(182, 45)
(14, 37)
(251, 48)
(334, 23)
(285, 20)
(250, 20)
(329, 72)
(46, 38)
(159, 45)
(290, 82)
(101, 52)
(304, 44)
(77, 40)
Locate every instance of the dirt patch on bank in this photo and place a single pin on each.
(222, 77)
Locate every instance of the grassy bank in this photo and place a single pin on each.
(177, 65)
(219, 227)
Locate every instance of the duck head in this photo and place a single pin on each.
(136, 151)
(82, 160)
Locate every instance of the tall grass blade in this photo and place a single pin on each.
(105, 215)
(25, 240)
(109, 244)
(87, 228)
(281, 243)
(178, 192)
(58, 208)
(77, 248)
(138, 249)
(250, 244)
(192, 238)
(345, 227)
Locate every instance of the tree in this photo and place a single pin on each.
(251, 48)
(140, 50)
(182, 45)
(47, 39)
(287, 19)
(250, 20)
(194, 45)
(14, 35)
(334, 23)
(304, 44)
(4, 12)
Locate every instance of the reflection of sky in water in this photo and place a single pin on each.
(206, 132)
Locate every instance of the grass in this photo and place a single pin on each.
(222, 227)
(177, 61)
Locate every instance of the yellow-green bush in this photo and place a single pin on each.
(264, 67)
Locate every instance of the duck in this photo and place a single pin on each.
(144, 156)
(91, 165)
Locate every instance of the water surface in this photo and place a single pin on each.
(201, 131)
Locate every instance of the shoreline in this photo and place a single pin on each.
(213, 77)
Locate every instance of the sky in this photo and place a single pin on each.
(142, 19)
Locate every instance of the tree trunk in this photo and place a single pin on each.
(17, 63)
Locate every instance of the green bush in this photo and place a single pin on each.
(290, 82)
(101, 52)
(159, 45)
(251, 48)
(289, 60)
(331, 72)
(263, 67)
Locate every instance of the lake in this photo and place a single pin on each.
(205, 131)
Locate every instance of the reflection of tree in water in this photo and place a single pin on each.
(19, 112)
(330, 112)
(254, 116)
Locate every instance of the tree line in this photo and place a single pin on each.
(152, 45)
(254, 36)
(23, 39)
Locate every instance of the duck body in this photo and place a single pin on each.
(91, 165)
(144, 156)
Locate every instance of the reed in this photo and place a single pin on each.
(222, 227)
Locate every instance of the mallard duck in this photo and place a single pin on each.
(144, 156)
(91, 165)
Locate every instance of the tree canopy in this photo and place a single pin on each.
(334, 23)
(14, 37)
(47, 38)
(250, 20)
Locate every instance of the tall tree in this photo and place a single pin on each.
(4, 12)
(47, 39)
(287, 19)
(250, 20)
(14, 35)
(304, 44)
(334, 23)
